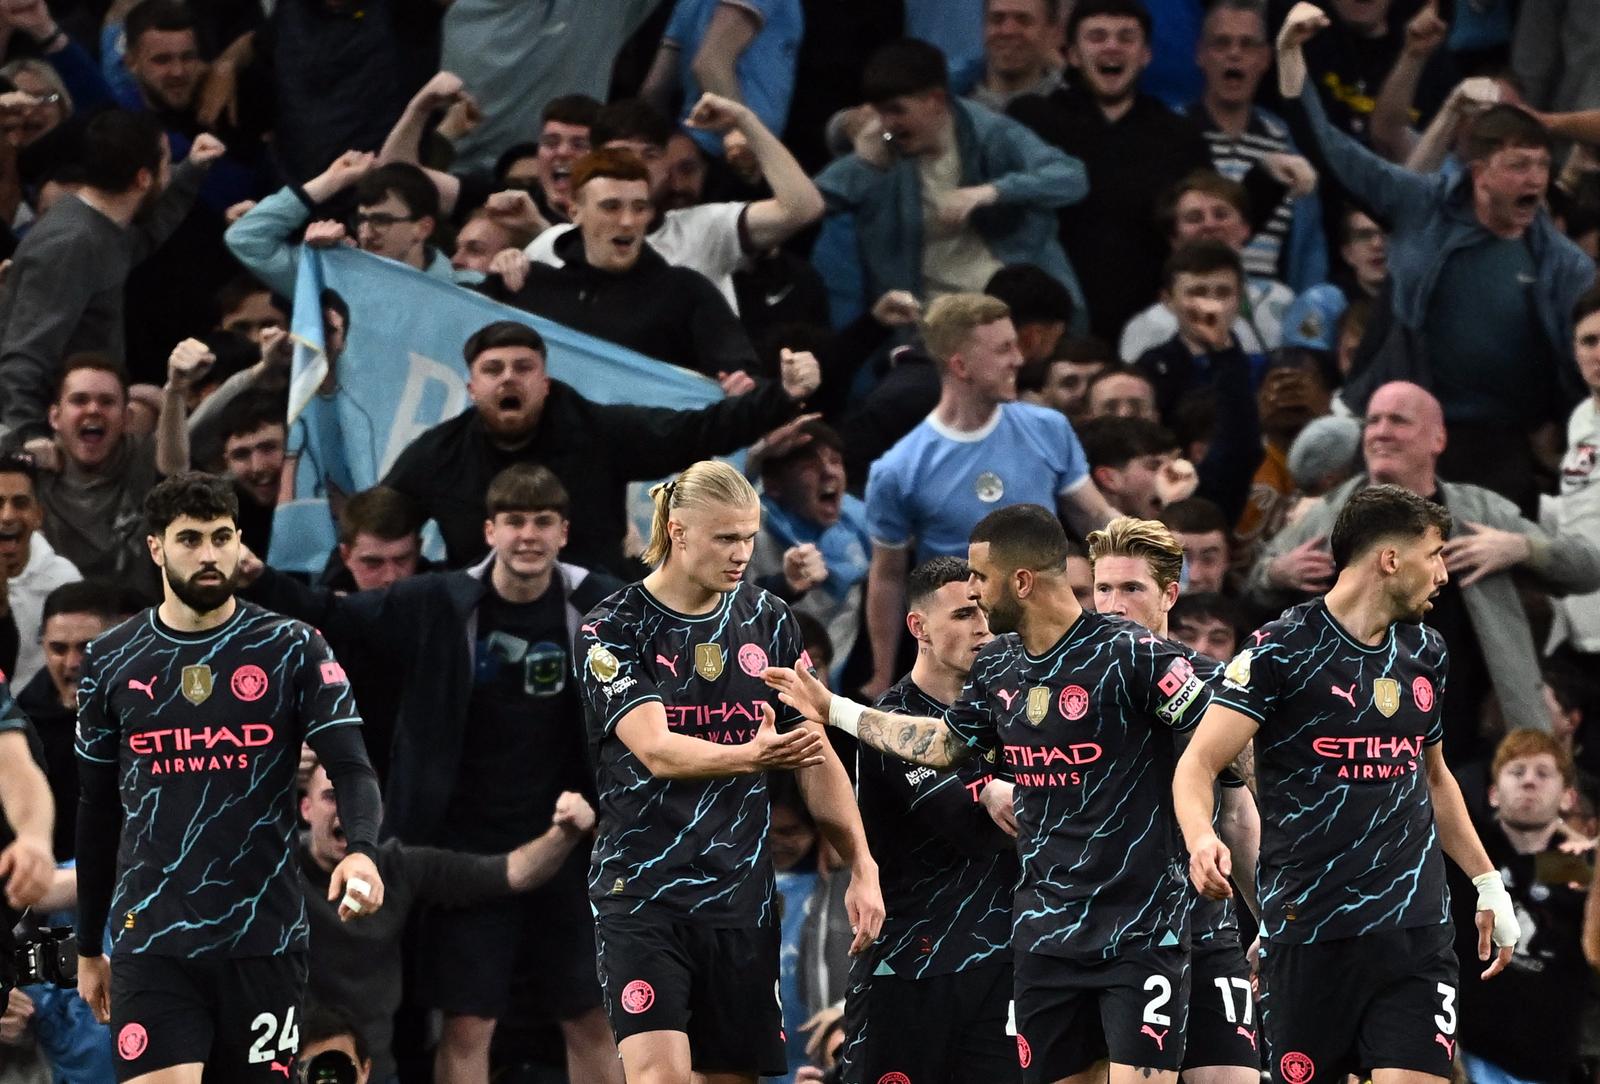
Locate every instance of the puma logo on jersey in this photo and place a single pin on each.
(1248, 1034)
(670, 664)
(1260, 635)
(146, 687)
(1160, 1037)
(279, 1067)
(1448, 1044)
(1008, 697)
(1350, 695)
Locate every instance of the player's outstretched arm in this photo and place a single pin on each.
(1240, 828)
(924, 741)
(831, 800)
(677, 756)
(99, 828)
(355, 881)
(1222, 734)
(1498, 931)
(26, 864)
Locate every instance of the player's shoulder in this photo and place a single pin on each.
(122, 633)
(748, 601)
(1290, 629)
(259, 622)
(905, 697)
(620, 607)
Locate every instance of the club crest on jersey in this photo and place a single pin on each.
(1074, 702)
(1038, 704)
(709, 660)
(1386, 696)
(1238, 671)
(197, 684)
(602, 663)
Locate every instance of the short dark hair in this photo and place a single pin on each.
(190, 493)
(907, 66)
(406, 182)
(88, 359)
(1194, 515)
(575, 109)
(1114, 442)
(1084, 350)
(933, 574)
(166, 15)
(814, 639)
(630, 119)
(1207, 606)
(820, 435)
(319, 1023)
(1052, 9)
(501, 333)
(118, 144)
(526, 487)
(1210, 183)
(104, 600)
(1032, 295)
(1201, 258)
(384, 513)
(1502, 126)
(252, 411)
(511, 156)
(1024, 536)
(239, 289)
(1115, 369)
(1587, 305)
(609, 162)
(1380, 512)
(1088, 9)
(21, 463)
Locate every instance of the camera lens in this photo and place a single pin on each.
(330, 1067)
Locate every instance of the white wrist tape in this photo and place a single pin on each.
(845, 714)
(1492, 896)
(351, 887)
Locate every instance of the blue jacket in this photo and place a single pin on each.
(1032, 177)
(261, 241)
(1431, 217)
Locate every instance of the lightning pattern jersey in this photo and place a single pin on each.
(1212, 919)
(1087, 731)
(694, 848)
(205, 732)
(947, 871)
(1348, 844)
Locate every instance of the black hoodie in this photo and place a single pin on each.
(669, 313)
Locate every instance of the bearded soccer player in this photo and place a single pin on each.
(1341, 697)
(683, 730)
(1137, 563)
(191, 717)
(1082, 708)
(931, 1001)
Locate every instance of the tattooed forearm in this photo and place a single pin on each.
(921, 741)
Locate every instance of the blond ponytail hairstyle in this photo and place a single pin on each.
(708, 482)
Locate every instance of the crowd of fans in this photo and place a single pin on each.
(941, 256)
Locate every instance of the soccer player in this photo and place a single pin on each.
(1081, 707)
(931, 1000)
(1137, 563)
(1341, 697)
(683, 729)
(193, 714)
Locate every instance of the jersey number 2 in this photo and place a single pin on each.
(288, 1036)
(1163, 988)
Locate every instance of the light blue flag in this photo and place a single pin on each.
(401, 372)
